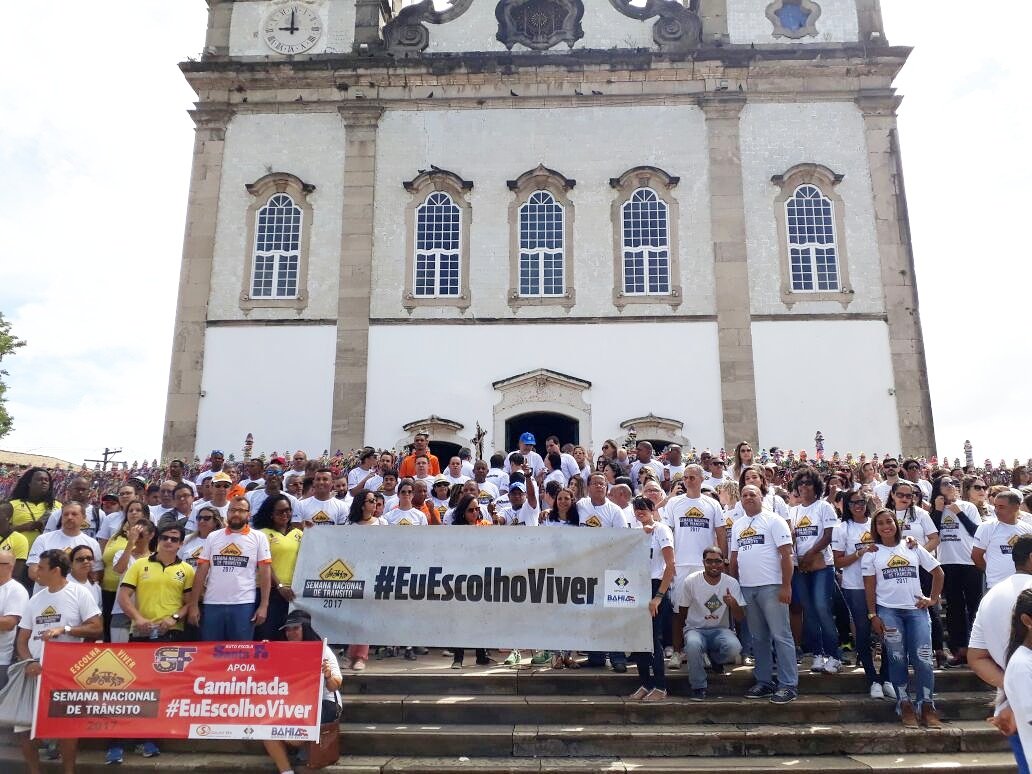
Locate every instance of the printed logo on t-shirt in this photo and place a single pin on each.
(693, 519)
(192, 559)
(594, 521)
(48, 616)
(713, 604)
(1008, 547)
(749, 537)
(806, 528)
(321, 518)
(404, 522)
(898, 568)
(230, 556)
(484, 497)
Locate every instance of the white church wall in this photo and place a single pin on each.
(314, 153)
(275, 381)
(676, 374)
(590, 145)
(776, 137)
(476, 29)
(747, 22)
(245, 38)
(800, 389)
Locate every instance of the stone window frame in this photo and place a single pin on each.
(810, 30)
(825, 180)
(261, 191)
(663, 184)
(541, 178)
(420, 187)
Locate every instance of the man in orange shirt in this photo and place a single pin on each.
(421, 446)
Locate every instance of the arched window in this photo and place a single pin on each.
(541, 246)
(277, 249)
(646, 244)
(810, 224)
(438, 245)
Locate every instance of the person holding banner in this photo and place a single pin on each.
(298, 628)
(154, 592)
(651, 668)
(13, 598)
(60, 612)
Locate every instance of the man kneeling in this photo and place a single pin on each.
(713, 598)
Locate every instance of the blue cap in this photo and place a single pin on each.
(518, 485)
(528, 438)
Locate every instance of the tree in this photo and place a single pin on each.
(8, 344)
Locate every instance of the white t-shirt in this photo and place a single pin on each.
(460, 479)
(895, 570)
(712, 482)
(808, 525)
(849, 537)
(660, 538)
(191, 522)
(90, 586)
(533, 459)
(955, 542)
(488, 493)
(70, 606)
(919, 524)
(233, 558)
(654, 465)
(991, 629)
(556, 475)
(13, 598)
(1016, 681)
(191, 549)
(757, 540)
(60, 540)
(997, 540)
(705, 603)
(569, 466)
(190, 484)
(608, 514)
(258, 496)
(676, 472)
(467, 468)
(117, 608)
(881, 491)
(525, 516)
(499, 478)
(694, 522)
(771, 502)
(246, 482)
(413, 517)
(321, 513)
(93, 519)
(355, 475)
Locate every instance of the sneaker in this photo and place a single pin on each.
(514, 659)
(541, 657)
(483, 660)
(410, 654)
(51, 751)
(876, 691)
(148, 750)
(697, 694)
(832, 666)
(668, 652)
(784, 695)
(114, 756)
(759, 691)
(620, 667)
(674, 662)
(656, 694)
(456, 665)
(639, 694)
(358, 665)
(819, 662)
(889, 690)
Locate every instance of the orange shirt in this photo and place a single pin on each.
(432, 516)
(408, 466)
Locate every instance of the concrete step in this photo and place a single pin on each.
(664, 740)
(597, 710)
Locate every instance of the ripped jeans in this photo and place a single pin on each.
(912, 639)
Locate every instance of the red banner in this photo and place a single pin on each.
(189, 690)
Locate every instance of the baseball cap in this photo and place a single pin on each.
(296, 618)
(220, 476)
(109, 498)
(518, 485)
(528, 438)
(441, 480)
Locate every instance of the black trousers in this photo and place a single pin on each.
(963, 592)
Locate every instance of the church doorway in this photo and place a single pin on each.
(542, 424)
(444, 451)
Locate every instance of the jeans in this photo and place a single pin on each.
(651, 669)
(597, 658)
(278, 609)
(912, 639)
(1019, 753)
(227, 622)
(769, 626)
(962, 588)
(856, 600)
(721, 645)
(814, 590)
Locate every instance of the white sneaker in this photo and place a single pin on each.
(889, 691)
(876, 691)
(674, 661)
(818, 664)
(668, 652)
(832, 666)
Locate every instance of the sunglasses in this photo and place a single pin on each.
(904, 495)
(979, 487)
(84, 558)
(171, 538)
(205, 518)
(855, 503)
(222, 485)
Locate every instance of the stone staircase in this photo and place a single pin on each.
(424, 717)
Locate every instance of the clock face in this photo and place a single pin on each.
(292, 29)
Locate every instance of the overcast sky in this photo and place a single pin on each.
(96, 152)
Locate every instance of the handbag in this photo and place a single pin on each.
(18, 697)
(326, 751)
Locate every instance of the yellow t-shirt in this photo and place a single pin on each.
(160, 591)
(110, 580)
(24, 512)
(284, 550)
(17, 544)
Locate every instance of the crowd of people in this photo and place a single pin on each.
(773, 560)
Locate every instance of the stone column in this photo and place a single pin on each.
(220, 16)
(714, 21)
(184, 381)
(355, 276)
(869, 23)
(731, 268)
(367, 23)
(892, 227)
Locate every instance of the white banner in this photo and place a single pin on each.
(491, 587)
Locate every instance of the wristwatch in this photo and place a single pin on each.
(871, 616)
(175, 617)
(67, 629)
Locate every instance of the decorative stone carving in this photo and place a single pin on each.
(793, 18)
(539, 24)
(542, 390)
(406, 35)
(659, 428)
(677, 29)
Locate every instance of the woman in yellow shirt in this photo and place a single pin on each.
(274, 518)
(33, 500)
(135, 511)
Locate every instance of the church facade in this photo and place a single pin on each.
(685, 222)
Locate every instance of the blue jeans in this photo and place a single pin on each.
(227, 622)
(1019, 753)
(770, 627)
(856, 601)
(814, 590)
(721, 645)
(912, 639)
